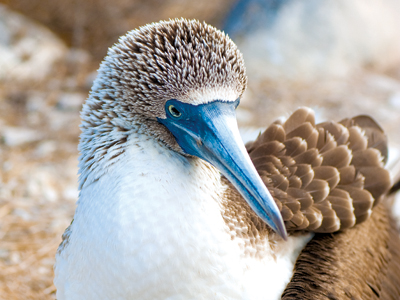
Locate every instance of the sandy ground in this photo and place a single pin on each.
(43, 84)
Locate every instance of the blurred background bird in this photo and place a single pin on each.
(338, 57)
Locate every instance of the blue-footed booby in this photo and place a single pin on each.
(173, 205)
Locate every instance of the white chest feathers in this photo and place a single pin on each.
(151, 228)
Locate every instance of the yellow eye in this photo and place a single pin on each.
(174, 111)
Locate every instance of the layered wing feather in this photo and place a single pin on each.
(324, 177)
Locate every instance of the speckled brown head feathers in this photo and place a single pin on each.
(324, 177)
(177, 59)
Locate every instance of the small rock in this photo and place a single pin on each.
(71, 101)
(4, 253)
(22, 213)
(43, 270)
(7, 166)
(15, 258)
(16, 136)
(45, 148)
(37, 102)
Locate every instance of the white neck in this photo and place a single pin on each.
(151, 228)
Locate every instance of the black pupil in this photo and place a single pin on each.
(175, 112)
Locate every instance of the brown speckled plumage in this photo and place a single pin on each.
(324, 177)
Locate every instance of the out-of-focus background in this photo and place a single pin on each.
(340, 57)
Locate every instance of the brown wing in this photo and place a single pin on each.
(324, 177)
(362, 263)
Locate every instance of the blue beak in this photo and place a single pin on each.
(210, 132)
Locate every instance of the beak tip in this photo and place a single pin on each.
(282, 232)
(279, 227)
